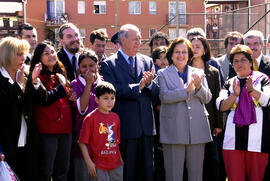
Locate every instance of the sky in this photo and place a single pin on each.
(10, 7)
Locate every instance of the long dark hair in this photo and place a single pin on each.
(206, 46)
(58, 67)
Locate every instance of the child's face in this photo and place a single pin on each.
(105, 102)
(162, 61)
(87, 64)
(49, 57)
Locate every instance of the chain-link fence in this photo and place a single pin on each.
(217, 24)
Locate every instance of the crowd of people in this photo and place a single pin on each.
(71, 113)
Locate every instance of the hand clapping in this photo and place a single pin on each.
(147, 78)
(36, 72)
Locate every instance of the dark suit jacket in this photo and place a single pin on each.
(63, 57)
(214, 84)
(133, 106)
(265, 65)
(15, 102)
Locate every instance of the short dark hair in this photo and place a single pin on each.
(157, 51)
(233, 35)
(64, 27)
(206, 46)
(87, 54)
(99, 34)
(104, 88)
(22, 27)
(195, 32)
(173, 45)
(244, 49)
(158, 35)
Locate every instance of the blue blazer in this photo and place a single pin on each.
(132, 105)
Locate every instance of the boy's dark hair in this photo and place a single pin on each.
(22, 27)
(99, 34)
(103, 88)
(157, 51)
(158, 35)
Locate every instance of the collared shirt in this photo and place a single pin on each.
(23, 131)
(258, 60)
(70, 57)
(126, 57)
(184, 74)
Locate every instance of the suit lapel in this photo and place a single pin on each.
(263, 65)
(174, 77)
(139, 67)
(65, 60)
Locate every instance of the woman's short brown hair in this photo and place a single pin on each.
(241, 49)
(173, 45)
(9, 47)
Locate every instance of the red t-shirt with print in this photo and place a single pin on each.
(102, 133)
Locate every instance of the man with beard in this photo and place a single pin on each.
(254, 39)
(29, 33)
(69, 37)
(98, 39)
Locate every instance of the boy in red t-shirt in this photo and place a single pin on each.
(101, 132)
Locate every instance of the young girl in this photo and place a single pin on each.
(53, 117)
(84, 87)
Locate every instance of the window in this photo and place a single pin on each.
(134, 7)
(81, 7)
(152, 7)
(99, 7)
(82, 33)
(181, 11)
(151, 32)
(55, 11)
(172, 33)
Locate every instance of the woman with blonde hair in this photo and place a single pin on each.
(18, 132)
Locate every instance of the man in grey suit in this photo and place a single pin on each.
(254, 39)
(132, 73)
(231, 39)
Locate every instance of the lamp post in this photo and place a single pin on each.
(24, 10)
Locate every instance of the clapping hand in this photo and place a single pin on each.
(236, 87)
(197, 80)
(249, 84)
(61, 79)
(36, 72)
(72, 95)
(147, 78)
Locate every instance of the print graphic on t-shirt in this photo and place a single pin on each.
(108, 130)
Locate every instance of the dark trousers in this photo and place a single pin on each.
(213, 166)
(25, 164)
(55, 156)
(137, 155)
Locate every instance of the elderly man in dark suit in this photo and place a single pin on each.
(132, 75)
(254, 39)
(69, 37)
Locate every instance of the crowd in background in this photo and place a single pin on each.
(73, 113)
